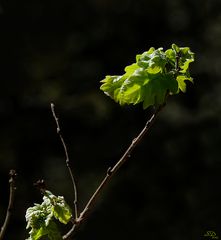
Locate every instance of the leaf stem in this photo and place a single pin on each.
(111, 171)
(12, 175)
(177, 59)
(67, 160)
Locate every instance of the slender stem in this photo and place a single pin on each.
(111, 171)
(12, 175)
(177, 59)
(67, 160)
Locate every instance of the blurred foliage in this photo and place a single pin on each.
(59, 51)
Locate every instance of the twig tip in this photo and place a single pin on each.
(12, 174)
(40, 184)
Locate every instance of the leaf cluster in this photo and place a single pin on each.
(155, 75)
(41, 217)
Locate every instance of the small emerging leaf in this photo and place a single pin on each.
(62, 211)
(41, 217)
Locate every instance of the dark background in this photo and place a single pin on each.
(58, 51)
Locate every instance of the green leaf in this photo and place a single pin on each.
(153, 60)
(41, 217)
(38, 218)
(157, 88)
(155, 75)
(171, 56)
(175, 48)
(51, 231)
(181, 82)
(111, 85)
(36, 234)
(62, 211)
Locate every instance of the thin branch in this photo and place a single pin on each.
(12, 175)
(111, 171)
(71, 231)
(67, 160)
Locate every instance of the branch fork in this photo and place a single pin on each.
(109, 174)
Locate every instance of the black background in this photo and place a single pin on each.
(58, 51)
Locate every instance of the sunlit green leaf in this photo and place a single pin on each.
(155, 75)
(175, 48)
(181, 82)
